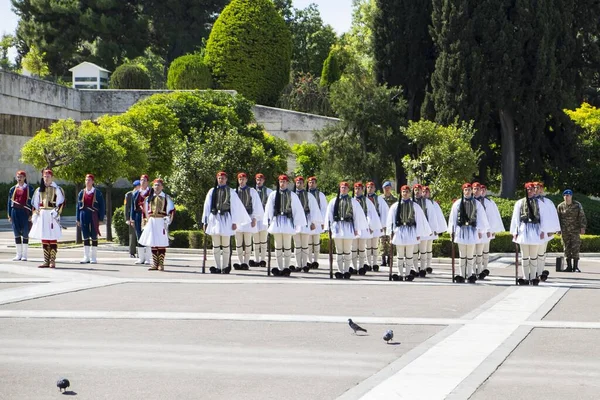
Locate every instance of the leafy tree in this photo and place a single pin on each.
(358, 42)
(52, 25)
(103, 32)
(160, 127)
(178, 27)
(129, 158)
(215, 131)
(34, 62)
(6, 42)
(310, 158)
(130, 76)
(403, 49)
(311, 40)
(189, 72)
(367, 142)
(444, 157)
(112, 31)
(54, 148)
(249, 50)
(285, 9)
(306, 94)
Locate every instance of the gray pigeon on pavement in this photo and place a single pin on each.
(355, 327)
(63, 384)
(389, 335)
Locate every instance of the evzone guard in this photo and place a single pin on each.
(313, 216)
(314, 242)
(345, 220)
(260, 237)
(48, 202)
(528, 228)
(243, 235)
(359, 245)
(482, 250)
(19, 214)
(423, 252)
(285, 217)
(137, 215)
(159, 212)
(467, 225)
(437, 222)
(90, 213)
(549, 213)
(407, 224)
(223, 213)
(382, 210)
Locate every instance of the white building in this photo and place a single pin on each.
(89, 76)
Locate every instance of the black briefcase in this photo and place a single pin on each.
(559, 264)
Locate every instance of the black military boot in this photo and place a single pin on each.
(575, 265)
(569, 266)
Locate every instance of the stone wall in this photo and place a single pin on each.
(28, 105)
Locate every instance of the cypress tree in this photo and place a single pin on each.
(404, 51)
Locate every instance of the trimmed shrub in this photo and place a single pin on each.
(120, 227)
(130, 76)
(250, 49)
(189, 72)
(331, 69)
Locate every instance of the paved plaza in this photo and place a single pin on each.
(118, 331)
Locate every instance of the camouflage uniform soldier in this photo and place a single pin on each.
(384, 244)
(572, 224)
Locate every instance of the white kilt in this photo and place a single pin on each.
(342, 230)
(155, 233)
(220, 224)
(45, 227)
(405, 236)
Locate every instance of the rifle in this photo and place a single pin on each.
(204, 245)
(330, 253)
(516, 264)
(391, 255)
(268, 250)
(452, 251)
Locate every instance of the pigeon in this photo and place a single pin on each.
(355, 327)
(389, 335)
(63, 384)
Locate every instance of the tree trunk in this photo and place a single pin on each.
(509, 156)
(109, 211)
(400, 173)
(78, 238)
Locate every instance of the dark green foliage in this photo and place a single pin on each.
(249, 50)
(187, 239)
(403, 49)
(367, 142)
(178, 27)
(189, 72)
(512, 67)
(102, 32)
(183, 220)
(130, 76)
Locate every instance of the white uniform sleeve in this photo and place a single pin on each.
(257, 208)
(206, 211)
(298, 212)
(239, 215)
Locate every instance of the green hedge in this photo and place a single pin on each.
(130, 76)
(189, 72)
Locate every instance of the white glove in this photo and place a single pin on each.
(53, 213)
